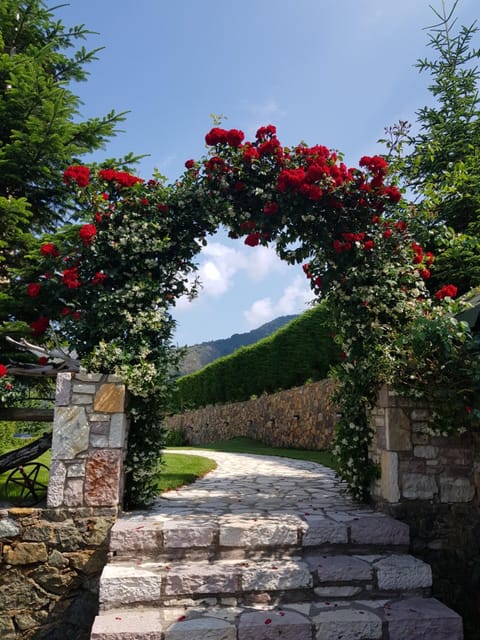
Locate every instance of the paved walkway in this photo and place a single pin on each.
(253, 484)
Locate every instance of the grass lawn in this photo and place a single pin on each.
(179, 469)
(41, 477)
(247, 445)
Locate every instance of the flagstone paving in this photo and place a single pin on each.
(262, 548)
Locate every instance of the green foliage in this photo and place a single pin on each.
(7, 431)
(440, 163)
(301, 350)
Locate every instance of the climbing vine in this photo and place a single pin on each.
(107, 285)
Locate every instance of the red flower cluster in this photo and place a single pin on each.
(87, 233)
(270, 208)
(447, 291)
(121, 178)
(3, 370)
(99, 278)
(49, 249)
(70, 278)
(33, 289)
(232, 137)
(40, 325)
(77, 173)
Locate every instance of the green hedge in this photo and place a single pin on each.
(300, 351)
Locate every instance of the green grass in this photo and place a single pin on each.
(179, 469)
(247, 445)
(42, 478)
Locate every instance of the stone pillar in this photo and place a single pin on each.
(416, 464)
(89, 442)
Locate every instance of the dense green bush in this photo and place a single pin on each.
(301, 350)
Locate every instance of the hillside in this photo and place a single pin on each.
(198, 355)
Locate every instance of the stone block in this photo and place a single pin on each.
(348, 624)
(390, 490)
(320, 530)
(402, 573)
(26, 553)
(201, 578)
(127, 625)
(70, 432)
(130, 536)
(118, 431)
(340, 568)
(110, 398)
(379, 529)
(56, 484)
(83, 376)
(416, 486)
(238, 532)
(82, 387)
(420, 618)
(124, 585)
(269, 576)
(398, 430)
(103, 478)
(8, 528)
(73, 493)
(204, 628)
(178, 534)
(337, 592)
(274, 624)
(427, 452)
(100, 428)
(76, 469)
(63, 389)
(456, 489)
(98, 441)
(81, 399)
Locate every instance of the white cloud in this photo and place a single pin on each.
(294, 299)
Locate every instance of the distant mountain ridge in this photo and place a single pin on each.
(199, 355)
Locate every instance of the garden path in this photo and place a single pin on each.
(264, 548)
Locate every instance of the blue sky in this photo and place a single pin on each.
(331, 72)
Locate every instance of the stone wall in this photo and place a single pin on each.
(51, 558)
(303, 417)
(433, 484)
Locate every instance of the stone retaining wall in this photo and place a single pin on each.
(433, 484)
(51, 558)
(303, 417)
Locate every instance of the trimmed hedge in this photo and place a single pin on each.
(300, 351)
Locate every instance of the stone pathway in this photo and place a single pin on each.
(264, 548)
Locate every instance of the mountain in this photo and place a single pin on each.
(198, 355)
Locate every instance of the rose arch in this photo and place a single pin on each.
(106, 287)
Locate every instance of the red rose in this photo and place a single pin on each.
(65, 311)
(43, 360)
(393, 193)
(250, 153)
(40, 326)
(163, 208)
(447, 291)
(70, 278)
(425, 273)
(253, 239)
(77, 173)
(429, 258)
(99, 277)
(266, 132)
(235, 137)
(270, 208)
(33, 289)
(49, 249)
(216, 136)
(76, 315)
(401, 225)
(337, 246)
(368, 245)
(290, 179)
(387, 233)
(87, 233)
(190, 164)
(3, 370)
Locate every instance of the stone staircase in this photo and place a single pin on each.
(334, 575)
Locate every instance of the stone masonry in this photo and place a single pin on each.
(302, 417)
(51, 558)
(432, 483)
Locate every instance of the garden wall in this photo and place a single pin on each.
(51, 558)
(433, 484)
(302, 417)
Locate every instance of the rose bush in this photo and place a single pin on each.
(107, 285)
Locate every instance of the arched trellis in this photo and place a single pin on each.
(110, 284)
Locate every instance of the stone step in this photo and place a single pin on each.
(312, 577)
(414, 618)
(240, 535)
